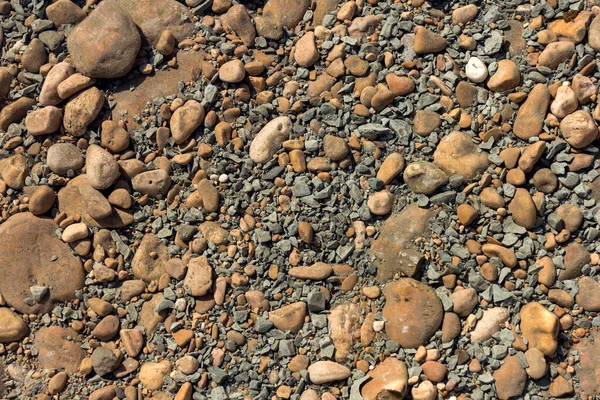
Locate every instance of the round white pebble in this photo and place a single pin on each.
(476, 70)
(223, 178)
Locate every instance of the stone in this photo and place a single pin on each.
(149, 318)
(327, 371)
(427, 41)
(531, 155)
(74, 232)
(232, 71)
(555, 54)
(106, 43)
(523, 209)
(289, 317)
(492, 321)
(44, 121)
(185, 120)
(153, 183)
(531, 114)
(560, 387)
(424, 391)
(476, 70)
(306, 53)
(426, 122)
(537, 363)
(62, 157)
(335, 147)
(575, 258)
(392, 166)
(101, 168)
(456, 154)
(435, 371)
(344, 329)
(450, 327)
(571, 216)
(238, 19)
(511, 379)
(284, 13)
(587, 367)
(34, 56)
(466, 214)
(579, 129)
(270, 138)
(15, 112)
(41, 200)
(152, 374)
(506, 77)
(104, 393)
(424, 177)
(573, 30)
(114, 137)
(58, 349)
(104, 360)
(49, 92)
(14, 171)
(210, 195)
(540, 327)
(107, 328)
(82, 110)
(390, 377)
(199, 276)
(464, 14)
(63, 12)
(381, 203)
(32, 254)
(57, 383)
(316, 272)
(214, 233)
(149, 260)
(94, 202)
(565, 102)
(464, 301)
(413, 312)
(589, 294)
(594, 34)
(12, 327)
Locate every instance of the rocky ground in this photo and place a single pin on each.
(307, 199)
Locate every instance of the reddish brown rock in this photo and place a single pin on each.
(510, 378)
(58, 348)
(388, 379)
(344, 329)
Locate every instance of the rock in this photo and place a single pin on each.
(388, 378)
(14, 171)
(523, 209)
(232, 71)
(571, 216)
(44, 121)
(450, 327)
(413, 312)
(476, 70)
(556, 53)
(63, 157)
(587, 367)
(589, 294)
(33, 254)
(106, 43)
(424, 177)
(594, 34)
(104, 360)
(49, 92)
(572, 30)
(565, 102)
(427, 41)
(12, 327)
(511, 379)
(531, 155)
(537, 363)
(531, 115)
(426, 122)
(153, 183)
(306, 53)
(82, 110)
(270, 138)
(506, 77)
(15, 112)
(239, 20)
(574, 259)
(323, 8)
(107, 328)
(152, 374)
(57, 383)
(41, 200)
(381, 203)
(540, 327)
(435, 371)
(34, 56)
(58, 349)
(284, 13)
(465, 94)
(150, 258)
(464, 14)
(458, 155)
(391, 167)
(394, 249)
(466, 214)
(101, 168)
(584, 88)
(317, 272)
(560, 387)
(166, 43)
(199, 276)
(104, 393)
(424, 391)
(579, 129)
(344, 329)
(149, 318)
(64, 12)
(94, 202)
(74, 232)
(492, 321)
(210, 195)
(400, 85)
(186, 120)
(464, 301)
(153, 17)
(290, 317)
(114, 137)
(327, 371)
(214, 233)
(335, 147)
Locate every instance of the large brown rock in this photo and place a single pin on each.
(540, 327)
(389, 380)
(531, 115)
(394, 249)
(511, 379)
(286, 13)
(458, 155)
(155, 16)
(413, 312)
(144, 265)
(344, 329)
(106, 43)
(32, 255)
(59, 349)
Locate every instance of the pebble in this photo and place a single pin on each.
(476, 70)
(232, 71)
(306, 53)
(389, 376)
(531, 115)
(579, 129)
(152, 373)
(81, 110)
(44, 121)
(381, 203)
(511, 379)
(153, 183)
(42, 200)
(185, 120)
(506, 77)
(270, 138)
(427, 41)
(13, 327)
(540, 328)
(327, 371)
(101, 168)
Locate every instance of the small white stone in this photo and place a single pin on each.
(476, 70)
(378, 326)
(223, 178)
